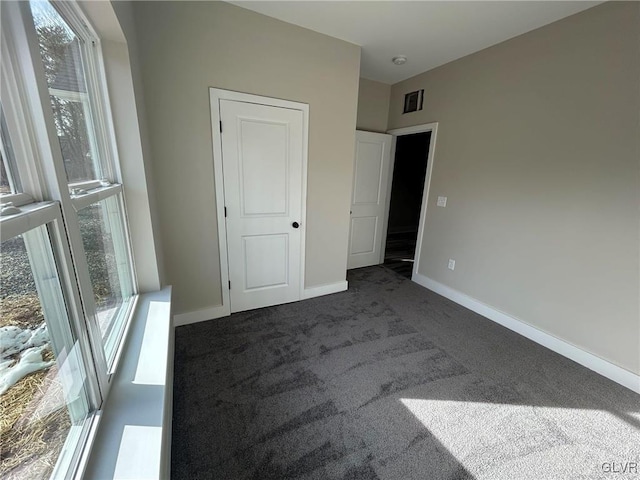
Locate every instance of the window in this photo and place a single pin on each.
(67, 287)
(44, 399)
(68, 54)
(64, 58)
(103, 235)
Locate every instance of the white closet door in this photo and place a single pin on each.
(262, 154)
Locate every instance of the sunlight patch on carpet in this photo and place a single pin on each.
(493, 440)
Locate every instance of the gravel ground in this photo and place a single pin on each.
(15, 271)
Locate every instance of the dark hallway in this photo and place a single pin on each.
(406, 201)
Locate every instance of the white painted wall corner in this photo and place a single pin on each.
(220, 311)
(201, 315)
(311, 292)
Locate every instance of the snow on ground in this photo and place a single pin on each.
(21, 353)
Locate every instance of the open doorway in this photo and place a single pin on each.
(405, 206)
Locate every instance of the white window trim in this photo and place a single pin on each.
(93, 196)
(147, 363)
(49, 215)
(56, 177)
(88, 185)
(32, 77)
(15, 104)
(17, 199)
(26, 95)
(96, 83)
(71, 96)
(30, 216)
(97, 94)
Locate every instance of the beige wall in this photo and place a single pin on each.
(187, 47)
(128, 108)
(373, 106)
(538, 152)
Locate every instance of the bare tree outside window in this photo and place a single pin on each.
(5, 187)
(60, 50)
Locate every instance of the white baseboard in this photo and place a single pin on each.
(328, 289)
(603, 367)
(220, 311)
(201, 315)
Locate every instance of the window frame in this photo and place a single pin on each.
(49, 216)
(97, 92)
(96, 96)
(58, 185)
(19, 126)
(85, 200)
(31, 128)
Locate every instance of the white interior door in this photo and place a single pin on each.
(262, 155)
(369, 198)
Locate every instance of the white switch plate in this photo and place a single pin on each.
(452, 264)
(442, 201)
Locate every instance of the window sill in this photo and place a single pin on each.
(133, 439)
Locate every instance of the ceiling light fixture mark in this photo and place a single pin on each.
(399, 60)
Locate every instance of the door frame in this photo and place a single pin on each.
(215, 96)
(398, 132)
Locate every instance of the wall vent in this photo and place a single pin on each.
(413, 101)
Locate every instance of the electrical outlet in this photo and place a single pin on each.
(452, 264)
(442, 201)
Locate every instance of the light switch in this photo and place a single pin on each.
(452, 264)
(442, 201)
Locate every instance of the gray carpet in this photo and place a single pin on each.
(389, 381)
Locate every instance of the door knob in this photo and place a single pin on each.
(295, 224)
